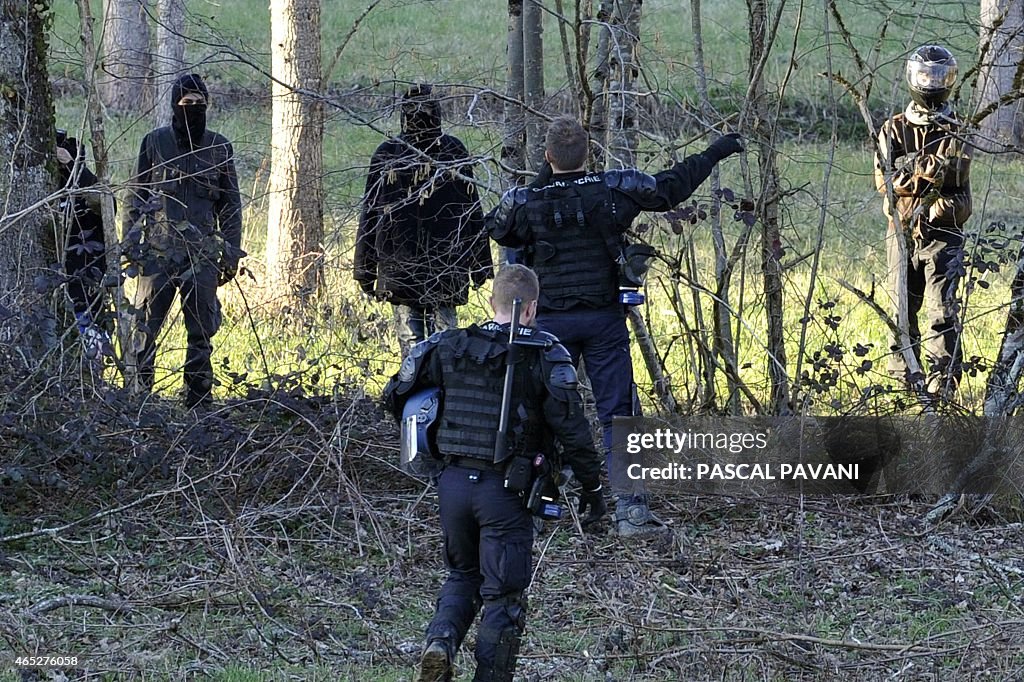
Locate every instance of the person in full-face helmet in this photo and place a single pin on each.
(923, 169)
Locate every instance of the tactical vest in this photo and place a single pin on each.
(569, 253)
(473, 365)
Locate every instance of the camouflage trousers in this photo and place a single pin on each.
(413, 324)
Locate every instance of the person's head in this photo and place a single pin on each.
(421, 112)
(931, 73)
(566, 145)
(189, 101)
(515, 281)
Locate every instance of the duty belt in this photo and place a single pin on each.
(474, 463)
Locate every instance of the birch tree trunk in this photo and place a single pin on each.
(169, 58)
(295, 222)
(598, 110)
(762, 119)
(125, 318)
(27, 147)
(1002, 31)
(513, 143)
(533, 80)
(621, 95)
(723, 336)
(125, 55)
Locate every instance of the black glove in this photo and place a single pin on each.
(594, 501)
(227, 273)
(725, 146)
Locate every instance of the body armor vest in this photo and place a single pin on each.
(570, 255)
(473, 364)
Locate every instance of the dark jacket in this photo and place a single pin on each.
(86, 243)
(184, 206)
(420, 234)
(611, 200)
(469, 365)
(85, 246)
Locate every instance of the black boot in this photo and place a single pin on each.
(436, 663)
(505, 654)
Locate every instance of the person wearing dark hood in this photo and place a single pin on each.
(420, 238)
(85, 244)
(923, 169)
(183, 228)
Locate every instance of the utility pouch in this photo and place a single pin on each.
(518, 474)
(543, 499)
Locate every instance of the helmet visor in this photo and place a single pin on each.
(930, 76)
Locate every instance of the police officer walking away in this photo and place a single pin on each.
(924, 158)
(420, 235)
(488, 532)
(184, 223)
(572, 229)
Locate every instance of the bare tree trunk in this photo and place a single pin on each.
(621, 95)
(768, 208)
(598, 111)
(1002, 30)
(27, 239)
(295, 229)
(1002, 396)
(125, 318)
(169, 58)
(125, 55)
(723, 339)
(513, 144)
(533, 80)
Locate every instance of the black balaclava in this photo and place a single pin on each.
(421, 116)
(189, 123)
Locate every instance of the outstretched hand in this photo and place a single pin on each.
(726, 145)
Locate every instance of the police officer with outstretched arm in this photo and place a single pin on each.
(488, 531)
(572, 228)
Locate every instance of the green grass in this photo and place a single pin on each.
(463, 42)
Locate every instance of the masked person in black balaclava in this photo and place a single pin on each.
(184, 227)
(925, 159)
(420, 236)
(188, 110)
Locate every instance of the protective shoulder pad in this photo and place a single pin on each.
(631, 181)
(556, 352)
(517, 196)
(560, 374)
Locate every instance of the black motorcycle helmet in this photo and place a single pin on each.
(931, 73)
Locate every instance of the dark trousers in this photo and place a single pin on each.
(488, 545)
(201, 310)
(601, 338)
(934, 266)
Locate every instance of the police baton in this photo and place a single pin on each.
(501, 439)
